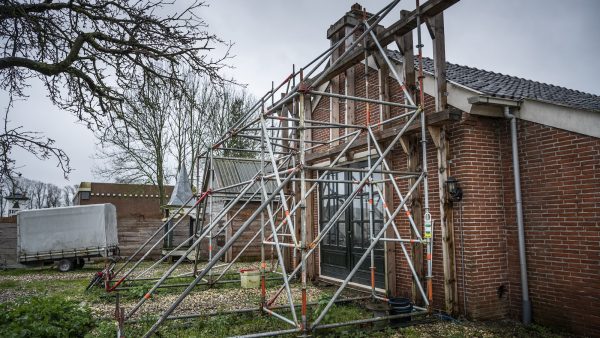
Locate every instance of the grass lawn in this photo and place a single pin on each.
(47, 303)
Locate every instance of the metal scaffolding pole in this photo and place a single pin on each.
(427, 221)
(209, 228)
(263, 264)
(134, 267)
(141, 247)
(283, 146)
(371, 209)
(321, 235)
(280, 258)
(215, 259)
(363, 257)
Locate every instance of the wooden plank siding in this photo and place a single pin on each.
(8, 241)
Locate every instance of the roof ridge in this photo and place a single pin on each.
(511, 86)
(524, 79)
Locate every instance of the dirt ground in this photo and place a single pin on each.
(15, 284)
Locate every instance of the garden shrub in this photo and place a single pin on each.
(44, 317)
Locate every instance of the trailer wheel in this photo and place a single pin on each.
(65, 265)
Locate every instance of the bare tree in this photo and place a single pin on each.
(35, 190)
(53, 196)
(43, 148)
(39, 195)
(202, 116)
(193, 123)
(170, 127)
(136, 150)
(26, 187)
(69, 192)
(4, 191)
(87, 53)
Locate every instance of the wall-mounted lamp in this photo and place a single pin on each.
(455, 193)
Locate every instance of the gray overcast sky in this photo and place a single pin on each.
(549, 41)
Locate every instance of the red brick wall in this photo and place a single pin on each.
(361, 91)
(560, 179)
(138, 215)
(476, 161)
(252, 253)
(142, 203)
(561, 196)
(321, 113)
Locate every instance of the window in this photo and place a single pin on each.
(84, 195)
(332, 195)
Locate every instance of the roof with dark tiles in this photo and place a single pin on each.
(511, 87)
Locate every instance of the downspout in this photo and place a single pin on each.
(526, 303)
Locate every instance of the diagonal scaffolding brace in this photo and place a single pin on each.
(280, 127)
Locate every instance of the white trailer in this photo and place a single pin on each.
(67, 235)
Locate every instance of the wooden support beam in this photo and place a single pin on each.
(387, 36)
(286, 112)
(312, 264)
(383, 74)
(228, 233)
(350, 88)
(435, 135)
(439, 61)
(446, 221)
(308, 109)
(334, 103)
(406, 46)
(439, 136)
(384, 91)
(404, 142)
(415, 203)
(390, 247)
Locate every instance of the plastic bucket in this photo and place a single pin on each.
(250, 278)
(400, 306)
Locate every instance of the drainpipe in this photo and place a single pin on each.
(526, 303)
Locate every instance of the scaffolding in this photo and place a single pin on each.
(279, 127)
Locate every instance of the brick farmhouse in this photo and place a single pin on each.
(476, 269)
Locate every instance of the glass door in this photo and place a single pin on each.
(347, 241)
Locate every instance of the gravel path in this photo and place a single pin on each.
(211, 300)
(8, 296)
(45, 276)
(199, 301)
